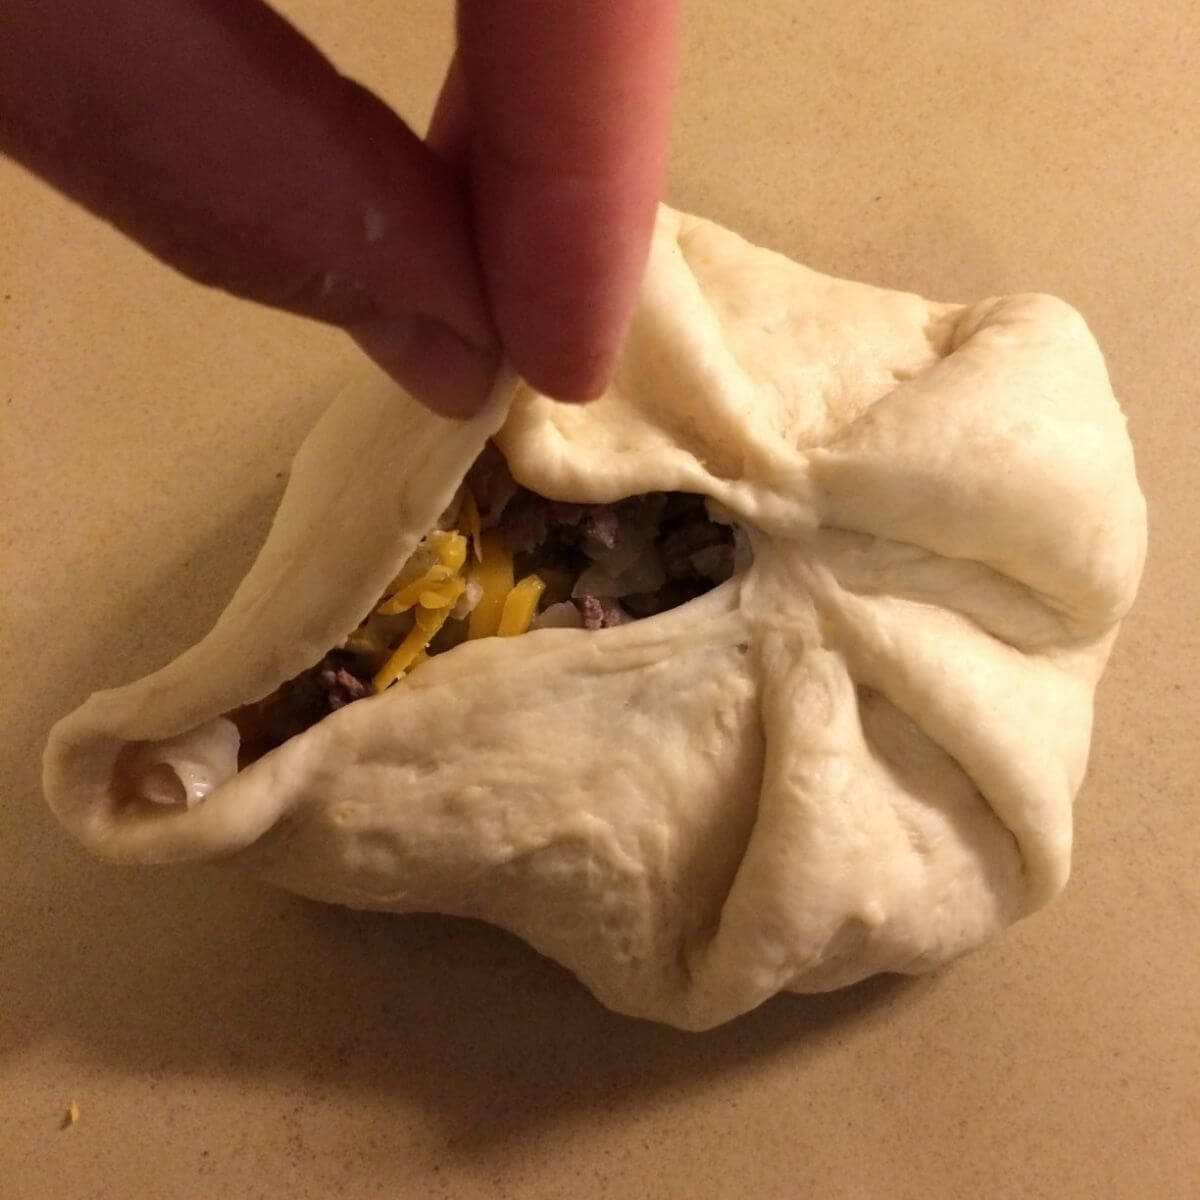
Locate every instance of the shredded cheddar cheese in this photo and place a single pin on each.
(430, 589)
(411, 593)
(494, 574)
(416, 642)
(444, 547)
(444, 594)
(436, 576)
(520, 605)
(451, 548)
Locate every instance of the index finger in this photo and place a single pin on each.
(569, 107)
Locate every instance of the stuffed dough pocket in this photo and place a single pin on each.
(770, 669)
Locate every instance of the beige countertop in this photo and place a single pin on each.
(220, 1037)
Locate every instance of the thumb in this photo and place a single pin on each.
(221, 140)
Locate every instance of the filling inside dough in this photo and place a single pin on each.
(501, 561)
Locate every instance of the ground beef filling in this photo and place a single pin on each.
(583, 566)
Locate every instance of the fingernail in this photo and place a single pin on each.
(427, 358)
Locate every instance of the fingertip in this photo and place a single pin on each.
(570, 379)
(571, 108)
(432, 362)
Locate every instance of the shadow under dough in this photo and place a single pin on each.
(197, 970)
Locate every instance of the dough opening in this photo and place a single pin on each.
(503, 561)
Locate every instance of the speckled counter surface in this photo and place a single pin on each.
(222, 1038)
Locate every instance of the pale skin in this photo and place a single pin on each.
(215, 135)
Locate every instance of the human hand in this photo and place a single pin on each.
(214, 134)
